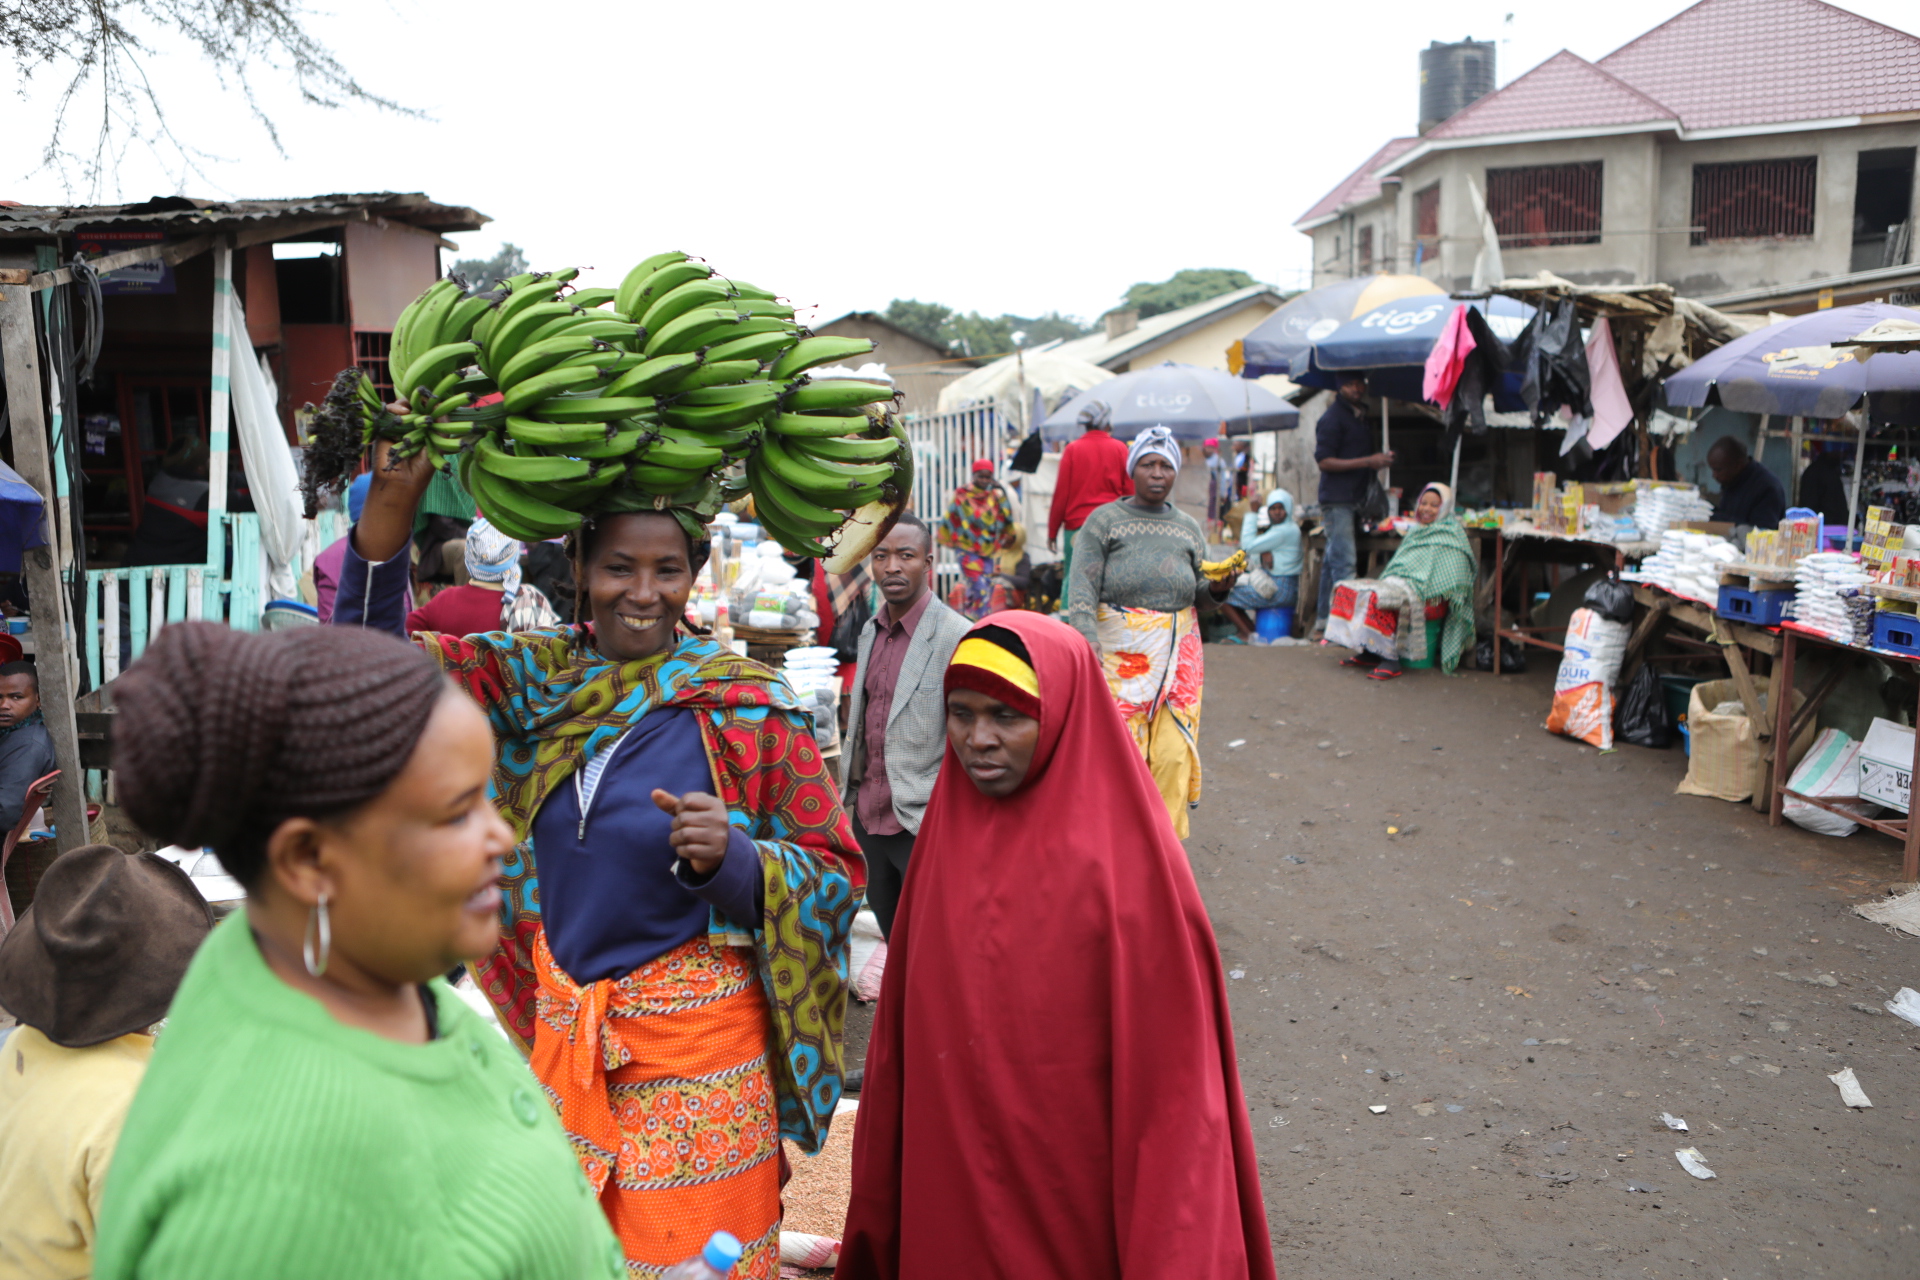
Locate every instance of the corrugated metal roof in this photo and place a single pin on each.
(1727, 63)
(1358, 187)
(187, 214)
(1564, 92)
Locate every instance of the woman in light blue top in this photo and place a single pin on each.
(1272, 542)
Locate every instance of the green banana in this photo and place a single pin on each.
(538, 357)
(636, 280)
(510, 336)
(587, 299)
(590, 408)
(422, 326)
(434, 366)
(746, 290)
(845, 448)
(659, 284)
(491, 457)
(837, 393)
(763, 307)
(621, 444)
(694, 293)
(543, 387)
(817, 424)
(711, 374)
(536, 434)
(574, 491)
(758, 346)
(810, 353)
(513, 510)
(445, 444)
(693, 330)
(758, 391)
(593, 324)
(685, 450)
(645, 377)
(834, 484)
(781, 508)
(658, 479)
(715, 417)
(460, 318)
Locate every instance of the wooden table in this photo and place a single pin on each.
(1546, 548)
(1663, 609)
(1789, 722)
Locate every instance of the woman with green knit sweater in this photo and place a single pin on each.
(321, 1104)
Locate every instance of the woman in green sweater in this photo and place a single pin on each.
(322, 1105)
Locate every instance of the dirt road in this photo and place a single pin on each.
(1552, 950)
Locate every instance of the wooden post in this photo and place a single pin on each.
(52, 639)
(218, 406)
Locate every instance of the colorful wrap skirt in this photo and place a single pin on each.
(661, 1081)
(1154, 670)
(1381, 616)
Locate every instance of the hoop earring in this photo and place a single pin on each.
(317, 922)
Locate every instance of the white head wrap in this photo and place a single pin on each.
(1154, 440)
(494, 557)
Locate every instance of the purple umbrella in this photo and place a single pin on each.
(1791, 369)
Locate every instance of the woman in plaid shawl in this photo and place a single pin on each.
(1431, 576)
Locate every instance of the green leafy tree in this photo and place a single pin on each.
(484, 273)
(923, 320)
(1196, 284)
(972, 334)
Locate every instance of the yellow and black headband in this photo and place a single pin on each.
(993, 661)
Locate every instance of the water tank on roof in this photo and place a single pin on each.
(1452, 77)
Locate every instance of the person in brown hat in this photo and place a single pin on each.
(89, 969)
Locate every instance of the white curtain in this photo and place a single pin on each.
(271, 475)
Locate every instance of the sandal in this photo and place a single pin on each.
(1386, 673)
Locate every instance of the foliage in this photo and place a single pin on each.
(484, 273)
(972, 334)
(1196, 284)
(101, 45)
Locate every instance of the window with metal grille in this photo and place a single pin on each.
(370, 352)
(1363, 251)
(1753, 199)
(1426, 215)
(1544, 205)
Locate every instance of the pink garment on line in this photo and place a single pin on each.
(1447, 359)
(1612, 411)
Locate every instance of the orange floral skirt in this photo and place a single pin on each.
(662, 1084)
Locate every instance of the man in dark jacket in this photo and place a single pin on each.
(26, 749)
(1342, 447)
(1750, 495)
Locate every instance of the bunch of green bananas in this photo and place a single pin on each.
(678, 390)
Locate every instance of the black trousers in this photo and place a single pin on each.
(886, 870)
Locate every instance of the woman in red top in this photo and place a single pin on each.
(493, 598)
(1088, 1126)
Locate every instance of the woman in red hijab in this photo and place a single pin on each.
(1088, 1125)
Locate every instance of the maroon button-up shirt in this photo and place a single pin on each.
(874, 804)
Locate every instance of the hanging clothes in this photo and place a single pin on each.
(1554, 362)
(1448, 357)
(1612, 411)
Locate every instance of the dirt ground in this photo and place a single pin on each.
(1554, 949)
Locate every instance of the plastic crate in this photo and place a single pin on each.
(1678, 691)
(1897, 633)
(1761, 608)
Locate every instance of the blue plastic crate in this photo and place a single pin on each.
(1761, 608)
(1897, 633)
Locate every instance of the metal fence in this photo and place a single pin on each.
(944, 447)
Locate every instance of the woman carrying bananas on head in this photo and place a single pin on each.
(677, 970)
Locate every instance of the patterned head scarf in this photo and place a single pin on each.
(1096, 416)
(993, 660)
(494, 557)
(1154, 440)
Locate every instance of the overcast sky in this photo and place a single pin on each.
(995, 156)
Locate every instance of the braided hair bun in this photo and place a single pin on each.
(221, 735)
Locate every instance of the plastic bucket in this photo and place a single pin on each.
(1434, 627)
(1273, 623)
(1677, 690)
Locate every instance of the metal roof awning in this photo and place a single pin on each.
(187, 215)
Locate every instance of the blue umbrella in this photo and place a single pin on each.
(1391, 343)
(1193, 402)
(22, 522)
(1279, 343)
(1789, 369)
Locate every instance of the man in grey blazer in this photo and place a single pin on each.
(897, 726)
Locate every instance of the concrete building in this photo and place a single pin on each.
(919, 368)
(1743, 150)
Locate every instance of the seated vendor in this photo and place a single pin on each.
(1431, 576)
(26, 749)
(1751, 497)
(1272, 542)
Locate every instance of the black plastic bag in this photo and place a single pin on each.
(1513, 657)
(1611, 598)
(1643, 712)
(1373, 503)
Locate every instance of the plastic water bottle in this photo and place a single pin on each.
(715, 1262)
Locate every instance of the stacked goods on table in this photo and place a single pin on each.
(1830, 596)
(1688, 563)
(814, 674)
(769, 595)
(1660, 505)
(677, 391)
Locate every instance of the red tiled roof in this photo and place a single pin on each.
(1360, 185)
(1564, 92)
(1727, 63)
